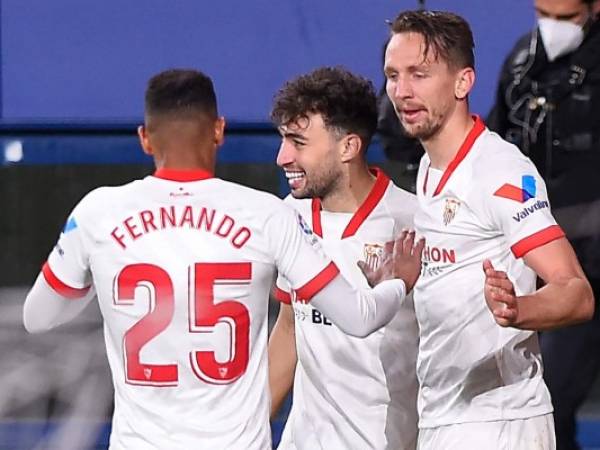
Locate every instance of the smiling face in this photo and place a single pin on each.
(310, 156)
(422, 88)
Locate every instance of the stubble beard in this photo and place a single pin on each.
(422, 131)
(320, 186)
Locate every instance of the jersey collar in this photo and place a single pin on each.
(183, 174)
(476, 130)
(361, 214)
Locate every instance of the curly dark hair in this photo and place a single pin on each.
(346, 102)
(448, 34)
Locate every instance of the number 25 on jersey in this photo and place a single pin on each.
(204, 316)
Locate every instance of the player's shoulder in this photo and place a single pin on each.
(247, 202)
(499, 162)
(102, 198)
(497, 157)
(244, 195)
(400, 203)
(395, 194)
(302, 205)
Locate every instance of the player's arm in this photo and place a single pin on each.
(567, 297)
(45, 308)
(358, 311)
(374, 307)
(282, 357)
(63, 288)
(518, 205)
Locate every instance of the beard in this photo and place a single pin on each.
(425, 129)
(422, 131)
(319, 185)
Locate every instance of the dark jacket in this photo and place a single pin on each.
(551, 111)
(396, 145)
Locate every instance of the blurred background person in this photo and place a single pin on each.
(548, 104)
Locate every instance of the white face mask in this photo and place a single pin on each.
(559, 36)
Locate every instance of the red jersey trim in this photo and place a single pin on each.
(282, 296)
(311, 288)
(61, 288)
(510, 192)
(463, 151)
(426, 179)
(381, 184)
(362, 213)
(316, 217)
(536, 240)
(183, 175)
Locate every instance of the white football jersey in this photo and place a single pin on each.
(489, 203)
(352, 393)
(182, 265)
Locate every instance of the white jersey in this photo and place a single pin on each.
(354, 393)
(182, 269)
(489, 203)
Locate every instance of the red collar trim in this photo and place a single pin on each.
(381, 183)
(183, 174)
(316, 217)
(465, 148)
(426, 179)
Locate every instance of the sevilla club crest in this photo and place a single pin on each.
(450, 210)
(373, 254)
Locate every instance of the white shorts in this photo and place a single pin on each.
(534, 433)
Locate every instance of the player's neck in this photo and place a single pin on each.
(442, 147)
(186, 160)
(351, 191)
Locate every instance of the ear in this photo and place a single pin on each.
(144, 140)
(220, 131)
(351, 146)
(465, 79)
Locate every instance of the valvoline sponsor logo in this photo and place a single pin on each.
(518, 194)
(525, 212)
(522, 194)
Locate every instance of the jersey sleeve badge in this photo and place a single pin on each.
(306, 231)
(520, 194)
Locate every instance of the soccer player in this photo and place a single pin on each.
(348, 392)
(481, 384)
(182, 264)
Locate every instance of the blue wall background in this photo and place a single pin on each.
(65, 61)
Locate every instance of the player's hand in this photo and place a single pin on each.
(383, 271)
(500, 296)
(402, 259)
(406, 258)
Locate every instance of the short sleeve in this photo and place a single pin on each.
(67, 268)
(518, 205)
(298, 254)
(282, 291)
